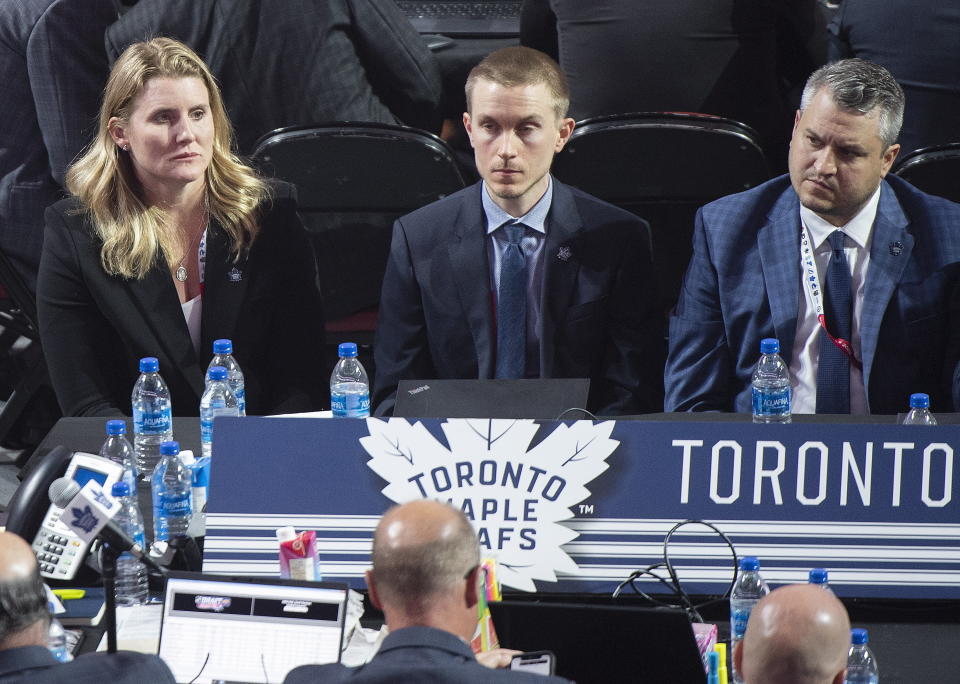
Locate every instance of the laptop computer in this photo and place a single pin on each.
(604, 643)
(248, 629)
(487, 18)
(539, 398)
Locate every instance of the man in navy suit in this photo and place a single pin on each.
(24, 623)
(519, 275)
(426, 580)
(856, 273)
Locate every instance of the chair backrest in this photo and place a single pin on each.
(663, 167)
(353, 180)
(935, 170)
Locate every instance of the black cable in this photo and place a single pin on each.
(202, 668)
(574, 408)
(673, 581)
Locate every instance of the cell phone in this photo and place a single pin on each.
(538, 662)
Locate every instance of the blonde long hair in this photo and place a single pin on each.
(103, 179)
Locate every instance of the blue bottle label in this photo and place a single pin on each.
(771, 402)
(350, 405)
(241, 394)
(206, 419)
(151, 422)
(738, 623)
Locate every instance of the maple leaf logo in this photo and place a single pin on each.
(517, 497)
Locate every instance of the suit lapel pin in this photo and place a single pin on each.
(234, 275)
(564, 253)
(896, 248)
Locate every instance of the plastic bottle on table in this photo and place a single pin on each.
(772, 394)
(919, 411)
(57, 639)
(217, 400)
(349, 387)
(223, 356)
(749, 588)
(131, 582)
(861, 663)
(118, 449)
(152, 415)
(172, 496)
(821, 578)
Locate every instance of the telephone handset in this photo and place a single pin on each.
(60, 552)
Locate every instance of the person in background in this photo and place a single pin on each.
(519, 275)
(878, 257)
(798, 634)
(426, 580)
(25, 622)
(170, 242)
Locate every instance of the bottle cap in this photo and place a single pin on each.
(169, 448)
(919, 400)
(285, 533)
(120, 489)
(187, 457)
(116, 427)
(750, 563)
(858, 637)
(217, 373)
(818, 576)
(347, 349)
(769, 345)
(149, 364)
(222, 347)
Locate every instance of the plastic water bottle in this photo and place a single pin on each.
(131, 583)
(172, 495)
(821, 578)
(772, 394)
(349, 387)
(217, 400)
(223, 356)
(747, 592)
(152, 415)
(861, 663)
(919, 411)
(57, 639)
(118, 449)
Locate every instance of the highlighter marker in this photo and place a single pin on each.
(713, 676)
(721, 649)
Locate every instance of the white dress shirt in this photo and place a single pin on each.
(806, 343)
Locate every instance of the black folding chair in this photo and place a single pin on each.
(935, 170)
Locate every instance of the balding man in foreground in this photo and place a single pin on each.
(425, 579)
(25, 620)
(798, 634)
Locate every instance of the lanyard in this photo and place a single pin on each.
(808, 267)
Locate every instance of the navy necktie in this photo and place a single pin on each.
(512, 307)
(833, 369)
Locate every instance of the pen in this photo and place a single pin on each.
(68, 594)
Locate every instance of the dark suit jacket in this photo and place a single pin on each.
(299, 61)
(35, 665)
(599, 313)
(743, 284)
(733, 58)
(53, 68)
(418, 655)
(916, 40)
(95, 327)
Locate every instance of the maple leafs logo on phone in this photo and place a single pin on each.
(84, 518)
(516, 495)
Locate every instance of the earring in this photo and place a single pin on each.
(125, 148)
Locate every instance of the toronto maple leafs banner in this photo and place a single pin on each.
(576, 506)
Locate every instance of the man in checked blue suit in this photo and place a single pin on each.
(877, 258)
(521, 276)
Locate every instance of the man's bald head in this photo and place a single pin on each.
(422, 549)
(23, 600)
(798, 634)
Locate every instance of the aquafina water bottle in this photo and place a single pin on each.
(131, 582)
(152, 415)
(746, 593)
(919, 411)
(118, 449)
(771, 385)
(57, 638)
(223, 356)
(217, 400)
(171, 488)
(349, 387)
(861, 663)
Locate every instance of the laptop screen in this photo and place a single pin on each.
(245, 629)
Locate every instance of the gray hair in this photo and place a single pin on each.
(23, 602)
(859, 85)
(414, 573)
